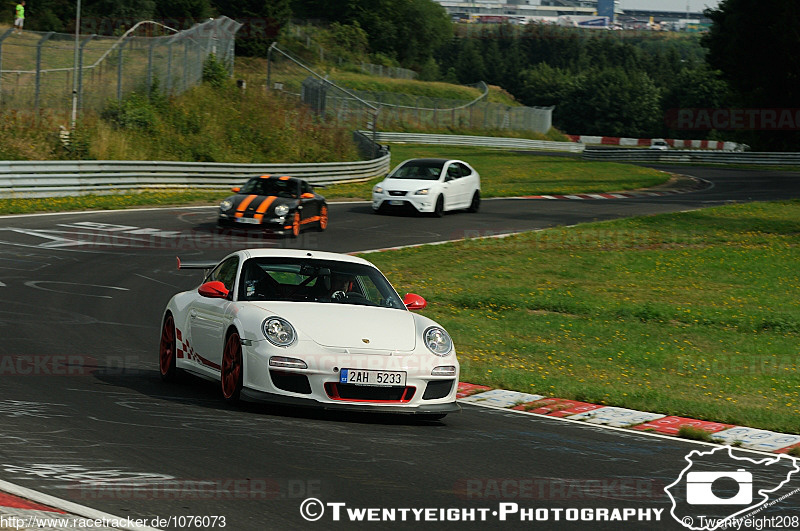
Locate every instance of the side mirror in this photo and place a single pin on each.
(307, 196)
(213, 290)
(235, 189)
(414, 301)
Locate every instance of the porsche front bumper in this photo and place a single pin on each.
(319, 383)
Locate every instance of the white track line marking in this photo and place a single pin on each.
(66, 506)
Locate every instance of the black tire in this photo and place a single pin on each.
(232, 369)
(438, 210)
(167, 350)
(476, 202)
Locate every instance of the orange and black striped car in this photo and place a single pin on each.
(283, 205)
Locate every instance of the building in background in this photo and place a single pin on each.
(555, 11)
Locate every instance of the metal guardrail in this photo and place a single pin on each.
(62, 178)
(483, 141)
(692, 157)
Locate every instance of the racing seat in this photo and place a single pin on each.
(257, 284)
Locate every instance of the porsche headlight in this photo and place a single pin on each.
(225, 205)
(281, 210)
(437, 341)
(278, 331)
(424, 191)
(378, 189)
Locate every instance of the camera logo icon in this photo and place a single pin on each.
(699, 488)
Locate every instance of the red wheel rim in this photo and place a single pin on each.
(296, 224)
(166, 353)
(231, 365)
(323, 217)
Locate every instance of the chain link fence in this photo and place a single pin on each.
(440, 113)
(37, 68)
(388, 71)
(329, 101)
(397, 111)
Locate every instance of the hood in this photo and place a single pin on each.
(250, 205)
(408, 185)
(346, 325)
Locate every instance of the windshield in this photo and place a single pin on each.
(327, 281)
(278, 187)
(425, 170)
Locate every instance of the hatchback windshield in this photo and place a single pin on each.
(328, 281)
(278, 187)
(422, 169)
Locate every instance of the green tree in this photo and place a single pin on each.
(493, 62)
(754, 44)
(611, 102)
(544, 85)
(469, 65)
(409, 31)
(183, 10)
(129, 11)
(347, 40)
(261, 22)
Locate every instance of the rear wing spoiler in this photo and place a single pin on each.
(195, 265)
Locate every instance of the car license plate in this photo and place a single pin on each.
(251, 221)
(374, 378)
(396, 202)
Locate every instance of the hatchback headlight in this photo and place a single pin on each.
(279, 332)
(225, 205)
(437, 341)
(378, 189)
(281, 210)
(424, 191)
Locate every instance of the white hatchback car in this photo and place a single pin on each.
(659, 144)
(429, 185)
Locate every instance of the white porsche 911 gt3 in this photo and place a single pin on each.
(309, 328)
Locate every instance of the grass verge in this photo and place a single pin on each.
(693, 314)
(502, 174)
(26, 205)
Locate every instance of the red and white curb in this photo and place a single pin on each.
(23, 509)
(646, 142)
(618, 195)
(617, 417)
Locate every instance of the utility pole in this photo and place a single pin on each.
(75, 70)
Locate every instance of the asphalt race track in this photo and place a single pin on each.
(85, 416)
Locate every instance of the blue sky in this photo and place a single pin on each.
(669, 5)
